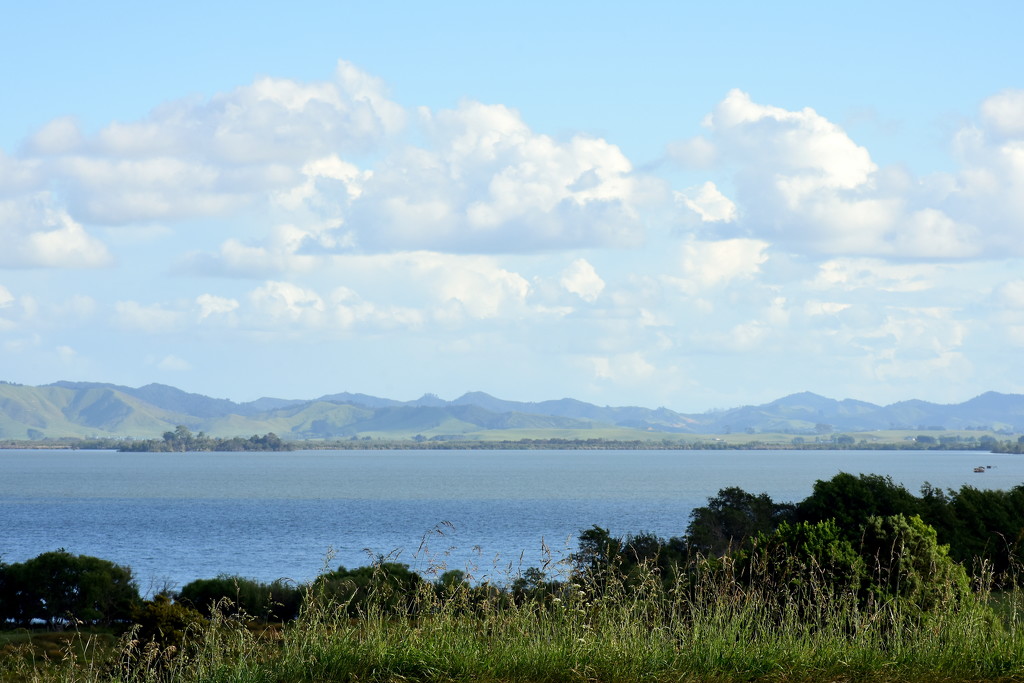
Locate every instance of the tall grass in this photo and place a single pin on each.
(705, 624)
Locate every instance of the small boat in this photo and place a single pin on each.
(979, 469)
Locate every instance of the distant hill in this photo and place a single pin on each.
(86, 409)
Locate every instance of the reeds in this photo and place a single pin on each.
(705, 623)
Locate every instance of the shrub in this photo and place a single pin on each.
(906, 563)
(58, 587)
(275, 601)
(390, 586)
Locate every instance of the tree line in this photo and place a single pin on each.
(182, 440)
(856, 535)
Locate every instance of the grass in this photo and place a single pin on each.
(703, 626)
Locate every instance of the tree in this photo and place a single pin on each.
(389, 586)
(905, 562)
(731, 517)
(850, 500)
(273, 601)
(810, 562)
(58, 587)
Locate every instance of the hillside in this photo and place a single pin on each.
(88, 409)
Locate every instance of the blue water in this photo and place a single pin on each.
(178, 517)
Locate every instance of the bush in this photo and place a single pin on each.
(275, 601)
(850, 500)
(906, 563)
(58, 588)
(804, 559)
(165, 623)
(390, 586)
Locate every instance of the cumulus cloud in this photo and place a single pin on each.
(35, 232)
(860, 273)
(287, 302)
(487, 183)
(211, 305)
(801, 181)
(708, 203)
(1003, 113)
(713, 264)
(196, 157)
(471, 286)
(581, 279)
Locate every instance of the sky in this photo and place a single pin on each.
(689, 205)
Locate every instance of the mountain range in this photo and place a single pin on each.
(91, 409)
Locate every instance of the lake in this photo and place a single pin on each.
(175, 517)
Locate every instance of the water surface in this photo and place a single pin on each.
(176, 517)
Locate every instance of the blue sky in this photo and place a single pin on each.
(695, 206)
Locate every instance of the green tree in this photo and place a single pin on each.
(277, 601)
(389, 586)
(850, 500)
(58, 587)
(905, 562)
(808, 562)
(732, 517)
(989, 525)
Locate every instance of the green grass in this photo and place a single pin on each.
(708, 628)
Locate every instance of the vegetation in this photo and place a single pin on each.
(882, 586)
(182, 440)
(59, 588)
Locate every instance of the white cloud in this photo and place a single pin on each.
(59, 136)
(872, 274)
(284, 301)
(18, 176)
(581, 279)
(196, 157)
(117, 191)
(804, 183)
(6, 298)
(480, 288)
(713, 264)
(36, 233)
(487, 183)
(708, 203)
(1004, 113)
(277, 254)
(816, 308)
(211, 305)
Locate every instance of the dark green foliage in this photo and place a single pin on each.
(182, 440)
(804, 560)
(850, 500)
(165, 623)
(277, 601)
(58, 588)
(731, 517)
(389, 586)
(905, 562)
(988, 525)
(598, 551)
